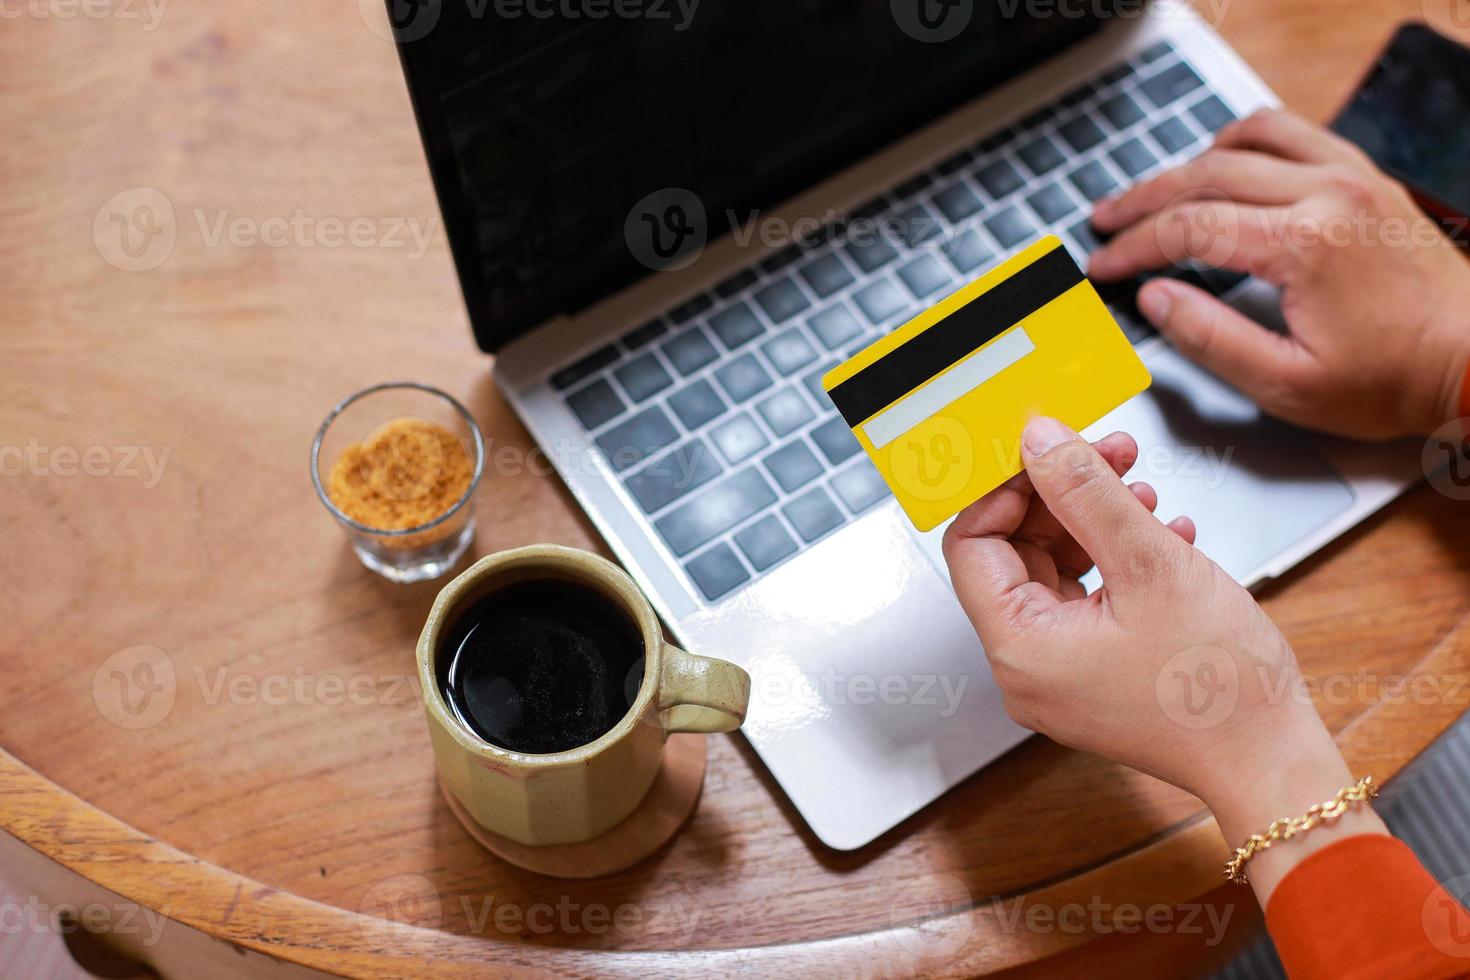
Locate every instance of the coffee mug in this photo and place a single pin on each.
(574, 795)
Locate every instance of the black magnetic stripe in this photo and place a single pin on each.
(984, 318)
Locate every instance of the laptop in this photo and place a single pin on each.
(670, 222)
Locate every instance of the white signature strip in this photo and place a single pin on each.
(945, 388)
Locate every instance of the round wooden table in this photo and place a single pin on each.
(208, 708)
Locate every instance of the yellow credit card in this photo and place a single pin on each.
(939, 404)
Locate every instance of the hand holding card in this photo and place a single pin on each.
(940, 403)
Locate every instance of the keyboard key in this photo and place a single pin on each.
(915, 225)
(633, 439)
(1122, 111)
(968, 251)
(999, 179)
(1084, 236)
(995, 141)
(835, 440)
(1115, 74)
(955, 164)
(1082, 133)
(1220, 281)
(1155, 52)
(595, 404)
(635, 339)
(833, 230)
(714, 510)
(584, 368)
(737, 283)
(1132, 157)
(870, 248)
(1122, 300)
(835, 325)
(1045, 113)
(690, 309)
(925, 275)
(793, 466)
(1093, 180)
(813, 381)
(880, 300)
(742, 377)
(779, 261)
(912, 186)
(781, 300)
(672, 475)
(789, 351)
(1170, 84)
(1215, 281)
(860, 486)
(957, 202)
(765, 542)
(785, 411)
(690, 351)
(696, 403)
(1212, 113)
(642, 377)
(735, 325)
(1185, 274)
(739, 438)
(717, 571)
(1041, 156)
(1051, 203)
(1134, 327)
(1172, 134)
(870, 209)
(813, 514)
(826, 275)
(1075, 97)
(1009, 227)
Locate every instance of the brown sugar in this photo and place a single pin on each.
(407, 472)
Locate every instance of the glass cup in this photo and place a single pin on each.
(430, 548)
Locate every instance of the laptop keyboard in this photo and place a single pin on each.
(713, 415)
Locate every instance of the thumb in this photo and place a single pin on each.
(1127, 543)
(1262, 364)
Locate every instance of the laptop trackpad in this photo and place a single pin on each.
(1254, 486)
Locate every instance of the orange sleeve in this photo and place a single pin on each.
(1366, 908)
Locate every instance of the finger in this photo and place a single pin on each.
(1288, 135)
(1221, 234)
(1236, 175)
(1040, 567)
(1072, 560)
(979, 538)
(1040, 527)
(1127, 543)
(1267, 367)
(1184, 527)
(989, 575)
(1146, 495)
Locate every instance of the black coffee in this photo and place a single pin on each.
(541, 666)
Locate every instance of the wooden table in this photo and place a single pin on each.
(282, 810)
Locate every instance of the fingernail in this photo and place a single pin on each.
(1043, 434)
(1155, 301)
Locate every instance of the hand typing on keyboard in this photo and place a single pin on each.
(1374, 294)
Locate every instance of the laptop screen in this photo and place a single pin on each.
(547, 121)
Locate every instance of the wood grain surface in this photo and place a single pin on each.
(275, 789)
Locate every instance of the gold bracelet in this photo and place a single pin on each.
(1285, 828)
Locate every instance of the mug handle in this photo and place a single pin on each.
(701, 694)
